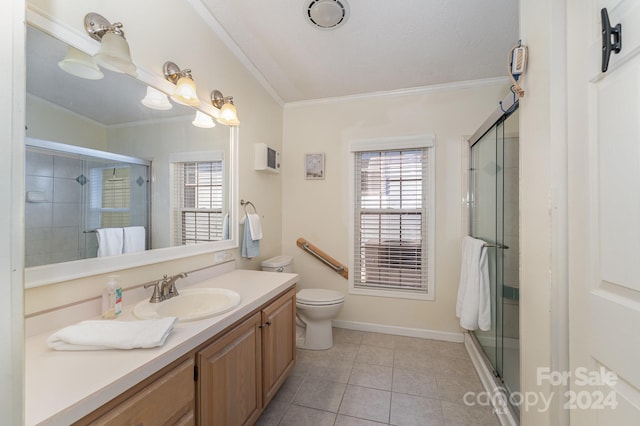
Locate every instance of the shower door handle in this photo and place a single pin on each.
(611, 38)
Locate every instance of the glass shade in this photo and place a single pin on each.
(186, 92)
(228, 115)
(156, 99)
(203, 120)
(114, 54)
(80, 64)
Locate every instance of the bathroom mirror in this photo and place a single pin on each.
(106, 115)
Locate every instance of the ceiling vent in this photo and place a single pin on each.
(327, 14)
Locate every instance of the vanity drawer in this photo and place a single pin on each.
(167, 400)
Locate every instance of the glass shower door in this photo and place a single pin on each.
(494, 203)
(484, 225)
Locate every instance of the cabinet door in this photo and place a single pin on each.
(278, 342)
(230, 377)
(168, 400)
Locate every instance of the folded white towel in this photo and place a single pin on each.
(473, 305)
(110, 241)
(135, 238)
(109, 334)
(255, 226)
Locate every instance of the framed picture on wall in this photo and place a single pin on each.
(314, 166)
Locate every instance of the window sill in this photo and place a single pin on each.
(394, 294)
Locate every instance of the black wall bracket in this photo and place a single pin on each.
(611, 39)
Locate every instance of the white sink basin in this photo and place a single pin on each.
(190, 305)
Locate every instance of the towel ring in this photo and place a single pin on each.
(245, 204)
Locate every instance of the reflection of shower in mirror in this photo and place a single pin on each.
(78, 191)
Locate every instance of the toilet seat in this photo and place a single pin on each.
(319, 297)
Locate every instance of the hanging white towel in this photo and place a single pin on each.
(135, 238)
(225, 227)
(473, 305)
(255, 226)
(109, 334)
(110, 241)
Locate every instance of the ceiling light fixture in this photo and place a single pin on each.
(114, 51)
(80, 64)
(203, 120)
(185, 86)
(156, 99)
(228, 113)
(327, 14)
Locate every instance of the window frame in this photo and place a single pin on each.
(420, 141)
(176, 162)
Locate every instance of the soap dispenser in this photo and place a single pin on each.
(112, 298)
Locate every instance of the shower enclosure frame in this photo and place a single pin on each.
(491, 369)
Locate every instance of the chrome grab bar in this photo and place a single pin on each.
(338, 269)
(329, 261)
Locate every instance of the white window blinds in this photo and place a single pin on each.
(391, 220)
(200, 198)
(110, 197)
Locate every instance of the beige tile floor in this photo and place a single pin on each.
(373, 379)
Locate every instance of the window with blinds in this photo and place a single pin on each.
(110, 196)
(392, 221)
(199, 189)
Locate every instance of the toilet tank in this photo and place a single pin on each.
(278, 264)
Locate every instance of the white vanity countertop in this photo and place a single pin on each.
(61, 387)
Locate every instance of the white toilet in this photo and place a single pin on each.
(315, 308)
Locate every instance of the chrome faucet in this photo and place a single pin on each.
(168, 285)
(165, 288)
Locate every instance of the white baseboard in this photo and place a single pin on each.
(400, 331)
(490, 384)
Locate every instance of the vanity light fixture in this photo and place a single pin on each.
(80, 64)
(203, 120)
(228, 113)
(114, 51)
(156, 99)
(185, 86)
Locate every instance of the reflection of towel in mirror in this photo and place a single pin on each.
(255, 225)
(110, 241)
(250, 247)
(98, 335)
(473, 305)
(134, 239)
(225, 227)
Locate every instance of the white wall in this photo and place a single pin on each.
(161, 31)
(543, 256)
(318, 210)
(12, 124)
(53, 123)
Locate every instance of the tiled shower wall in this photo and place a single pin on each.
(53, 216)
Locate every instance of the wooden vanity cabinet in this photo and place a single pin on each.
(167, 398)
(229, 372)
(278, 343)
(239, 373)
(236, 374)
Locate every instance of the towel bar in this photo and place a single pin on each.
(496, 245)
(245, 204)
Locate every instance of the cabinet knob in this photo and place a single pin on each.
(266, 324)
